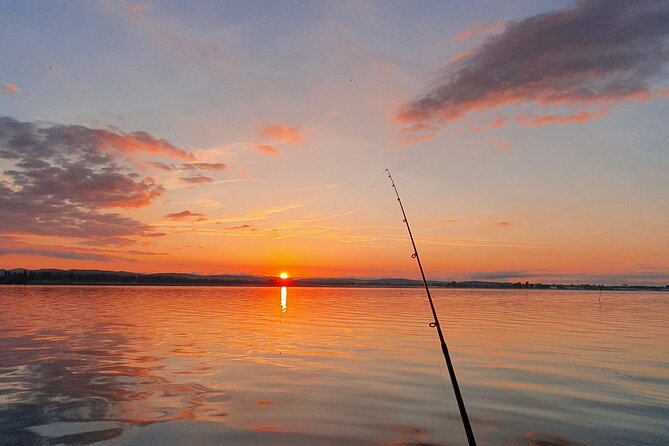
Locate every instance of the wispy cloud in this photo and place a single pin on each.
(283, 133)
(595, 54)
(242, 227)
(198, 179)
(203, 166)
(146, 253)
(160, 165)
(153, 234)
(139, 8)
(479, 30)
(199, 216)
(12, 88)
(42, 252)
(267, 150)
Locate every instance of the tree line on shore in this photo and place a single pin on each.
(22, 276)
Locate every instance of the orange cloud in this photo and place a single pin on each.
(502, 224)
(583, 116)
(139, 142)
(199, 216)
(12, 88)
(479, 30)
(268, 150)
(283, 133)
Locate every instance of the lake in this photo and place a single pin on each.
(330, 366)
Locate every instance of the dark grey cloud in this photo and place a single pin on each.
(61, 178)
(591, 55)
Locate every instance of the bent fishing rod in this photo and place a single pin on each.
(444, 348)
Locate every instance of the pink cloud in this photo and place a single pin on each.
(268, 150)
(12, 88)
(479, 30)
(461, 56)
(283, 133)
(502, 144)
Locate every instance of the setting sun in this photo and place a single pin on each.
(283, 275)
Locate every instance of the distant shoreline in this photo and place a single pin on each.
(22, 276)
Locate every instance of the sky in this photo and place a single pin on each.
(528, 139)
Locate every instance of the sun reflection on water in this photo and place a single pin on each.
(284, 299)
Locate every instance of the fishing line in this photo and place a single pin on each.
(371, 185)
(440, 367)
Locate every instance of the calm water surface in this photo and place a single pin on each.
(255, 366)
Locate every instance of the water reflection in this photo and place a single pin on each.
(80, 365)
(284, 299)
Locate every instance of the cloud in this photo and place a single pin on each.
(199, 179)
(146, 253)
(479, 30)
(133, 142)
(283, 133)
(137, 9)
(58, 254)
(501, 143)
(60, 182)
(242, 227)
(48, 139)
(12, 88)
(187, 214)
(161, 166)
(268, 150)
(203, 166)
(153, 234)
(595, 54)
(529, 121)
(502, 224)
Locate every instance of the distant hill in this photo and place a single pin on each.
(20, 276)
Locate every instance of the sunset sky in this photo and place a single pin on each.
(529, 140)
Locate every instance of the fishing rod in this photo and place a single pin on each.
(435, 324)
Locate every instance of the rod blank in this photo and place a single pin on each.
(444, 348)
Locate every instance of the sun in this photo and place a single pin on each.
(283, 275)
